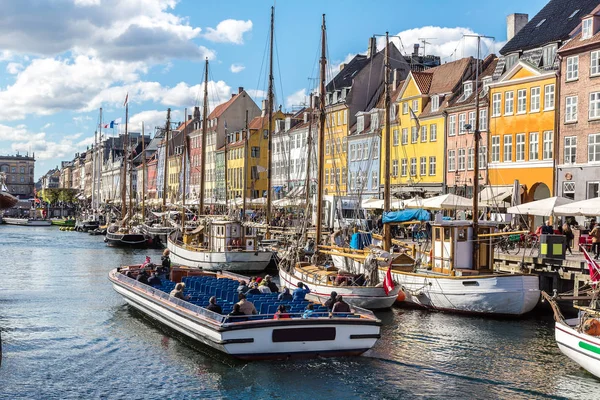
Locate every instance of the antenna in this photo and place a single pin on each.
(424, 41)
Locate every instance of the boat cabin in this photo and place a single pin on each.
(231, 236)
(452, 248)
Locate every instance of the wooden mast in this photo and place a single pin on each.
(183, 161)
(387, 239)
(143, 191)
(204, 126)
(245, 184)
(321, 145)
(476, 140)
(124, 181)
(270, 117)
(308, 156)
(165, 175)
(131, 166)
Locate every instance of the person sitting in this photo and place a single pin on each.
(331, 300)
(142, 277)
(340, 306)
(237, 313)
(178, 292)
(247, 307)
(272, 285)
(547, 229)
(258, 279)
(147, 262)
(281, 312)
(263, 287)
(243, 287)
(154, 280)
(301, 292)
(165, 267)
(310, 309)
(253, 289)
(213, 306)
(285, 295)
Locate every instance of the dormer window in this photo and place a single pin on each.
(487, 81)
(374, 121)
(360, 123)
(549, 54)
(511, 60)
(435, 103)
(335, 97)
(468, 89)
(587, 29)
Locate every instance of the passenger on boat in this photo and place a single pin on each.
(263, 287)
(154, 280)
(178, 292)
(281, 312)
(310, 309)
(237, 313)
(301, 292)
(331, 300)
(213, 306)
(243, 288)
(142, 277)
(340, 305)
(253, 289)
(272, 285)
(165, 268)
(147, 262)
(285, 295)
(247, 307)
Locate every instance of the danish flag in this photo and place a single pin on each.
(388, 283)
(592, 266)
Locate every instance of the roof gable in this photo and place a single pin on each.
(520, 70)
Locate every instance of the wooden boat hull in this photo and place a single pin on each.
(581, 348)
(498, 294)
(27, 222)
(131, 240)
(253, 339)
(369, 297)
(233, 261)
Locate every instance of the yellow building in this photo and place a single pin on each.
(336, 145)
(418, 128)
(257, 153)
(521, 130)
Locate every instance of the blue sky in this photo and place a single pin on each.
(62, 60)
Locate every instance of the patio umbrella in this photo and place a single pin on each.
(589, 207)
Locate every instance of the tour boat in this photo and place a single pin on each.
(228, 246)
(248, 337)
(117, 236)
(27, 221)
(580, 347)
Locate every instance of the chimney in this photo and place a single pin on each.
(514, 23)
(342, 66)
(395, 79)
(315, 102)
(197, 112)
(233, 95)
(416, 50)
(264, 108)
(372, 49)
(240, 89)
(189, 117)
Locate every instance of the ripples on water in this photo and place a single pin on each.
(67, 334)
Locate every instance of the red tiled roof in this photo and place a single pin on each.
(423, 80)
(576, 42)
(257, 123)
(220, 109)
(184, 124)
(447, 76)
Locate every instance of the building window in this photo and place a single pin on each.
(461, 123)
(452, 160)
(549, 54)
(424, 133)
(533, 146)
(327, 176)
(548, 150)
(483, 121)
(535, 99)
(572, 68)
(507, 148)
(482, 157)
(405, 108)
(366, 154)
(571, 109)
(511, 60)
(374, 180)
(415, 105)
(593, 190)
(435, 103)
(594, 105)
(396, 139)
(452, 125)
(352, 152)
(461, 159)
(360, 123)
(570, 149)
(594, 148)
(433, 132)
(344, 143)
(495, 148)
(586, 30)
(472, 120)
(404, 135)
(595, 63)
(413, 166)
(471, 159)
(496, 101)
(344, 175)
(414, 134)
(327, 147)
(468, 89)
(509, 103)
(423, 167)
(255, 152)
(569, 190)
(359, 151)
(520, 147)
(522, 101)
(375, 149)
(395, 167)
(432, 165)
(549, 97)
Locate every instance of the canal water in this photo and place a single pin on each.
(67, 335)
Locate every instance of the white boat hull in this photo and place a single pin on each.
(256, 339)
(360, 296)
(501, 294)
(27, 222)
(581, 348)
(233, 261)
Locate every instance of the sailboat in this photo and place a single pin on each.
(356, 289)
(122, 234)
(218, 244)
(7, 200)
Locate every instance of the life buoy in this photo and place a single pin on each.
(591, 327)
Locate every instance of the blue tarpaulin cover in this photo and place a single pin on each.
(360, 240)
(416, 214)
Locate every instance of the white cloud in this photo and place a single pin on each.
(297, 98)
(14, 68)
(5, 55)
(151, 119)
(257, 94)
(235, 68)
(334, 68)
(48, 125)
(18, 133)
(229, 31)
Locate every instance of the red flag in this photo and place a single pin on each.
(388, 283)
(592, 266)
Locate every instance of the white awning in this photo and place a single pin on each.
(447, 202)
(588, 208)
(542, 208)
(497, 195)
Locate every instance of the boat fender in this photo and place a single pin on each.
(401, 296)
(591, 327)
